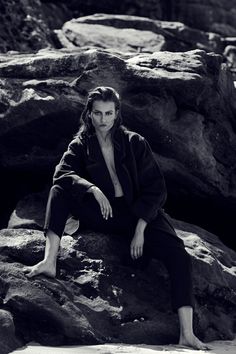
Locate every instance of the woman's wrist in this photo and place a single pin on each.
(141, 225)
(92, 189)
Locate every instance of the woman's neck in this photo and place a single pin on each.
(104, 138)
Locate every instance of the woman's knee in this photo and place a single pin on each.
(56, 189)
(59, 193)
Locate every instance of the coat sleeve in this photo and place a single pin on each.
(70, 172)
(152, 192)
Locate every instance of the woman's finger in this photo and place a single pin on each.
(111, 212)
(102, 208)
(140, 251)
(131, 251)
(134, 255)
(105, 209)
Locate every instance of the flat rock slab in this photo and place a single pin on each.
(173, 36)
(123, 39)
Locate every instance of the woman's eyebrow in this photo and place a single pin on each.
(96, 110)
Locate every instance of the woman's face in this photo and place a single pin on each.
(103, 115)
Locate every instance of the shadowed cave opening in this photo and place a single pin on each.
(40, 145)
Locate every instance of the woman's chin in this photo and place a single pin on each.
(104, 129)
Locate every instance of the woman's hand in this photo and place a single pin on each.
(103, 202)
(136, 246)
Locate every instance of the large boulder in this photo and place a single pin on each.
(100, 295)
(125, 39)
(183, 103)
(30, 213)
(135, 33)
(9, 342)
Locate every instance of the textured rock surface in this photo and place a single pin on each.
(164, 96)
(98, 297)
(8, 339)
(123, 39)
(183, 103)
(23, 26)
(100, 27)
(30, 213)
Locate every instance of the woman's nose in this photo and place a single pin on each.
(103, 118)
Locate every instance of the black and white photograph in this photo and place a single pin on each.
(117, 176)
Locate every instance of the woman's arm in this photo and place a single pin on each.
(141, 225)
(70, 172)
(152, 188)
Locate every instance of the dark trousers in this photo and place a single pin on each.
(160, 239)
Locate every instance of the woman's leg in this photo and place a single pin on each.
(57, 211)
(48, 265)
(59, 205)
(58, 208)
(187, 337)
(169, 248)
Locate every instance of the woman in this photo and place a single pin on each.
(108, 177)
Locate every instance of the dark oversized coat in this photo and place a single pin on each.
(83, 165)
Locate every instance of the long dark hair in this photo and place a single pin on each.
(101, 93)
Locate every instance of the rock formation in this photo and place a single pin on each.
(98, 29)
(183, 103)
(100, 295)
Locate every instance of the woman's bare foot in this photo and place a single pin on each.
(42, 267)
(190, 340)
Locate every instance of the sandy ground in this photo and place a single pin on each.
(218, 347)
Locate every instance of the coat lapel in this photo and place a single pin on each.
(121, 149)
(97, 167)
(99, 172)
